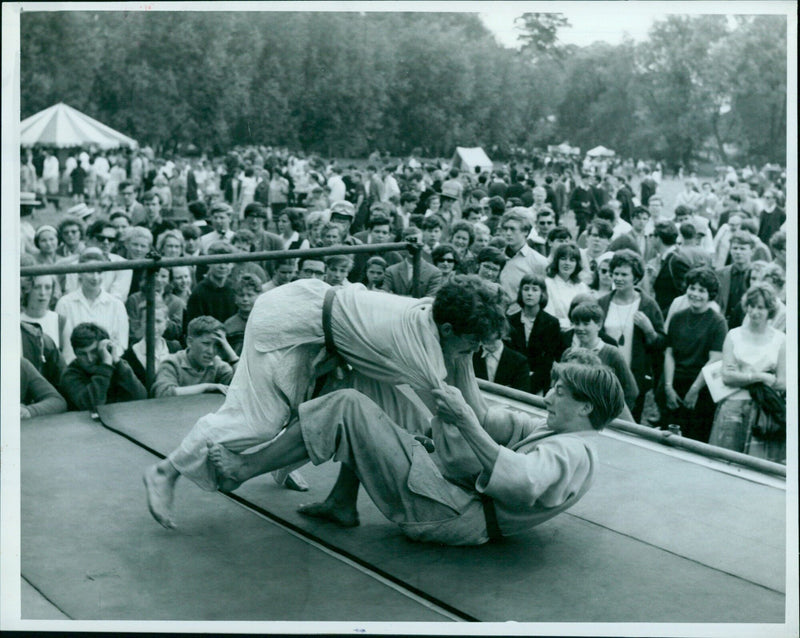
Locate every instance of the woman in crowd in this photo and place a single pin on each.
(181, 282)
(291, 227)
(534, 332)
(563, 282)
(136, 305)
(136, 354)
(587, 321)
(330, 235)
(634, 321)
(314, 224)
(752, 353)
(376, 272)
(694, 339)
(432, 205)
(37, 304)
(772, 274)
(170, 244)
(462, 237)
(137, 243)
(70, 234)
(601, 283)
(46, 240)
(444, 258)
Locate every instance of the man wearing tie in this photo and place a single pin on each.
(498, 364)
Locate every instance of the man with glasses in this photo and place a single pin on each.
(771, 218)
(522, 259)
(311, 267)
(490, 263)
(103, 236)
(133, 208)
(545, 222)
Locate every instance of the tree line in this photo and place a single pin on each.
(344, 84)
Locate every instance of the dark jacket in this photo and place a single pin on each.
(542, 348)
(136, 365)
(85, 388)
(512, 369)
(398, 281)
(646, 359)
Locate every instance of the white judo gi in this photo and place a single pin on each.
(388, 340)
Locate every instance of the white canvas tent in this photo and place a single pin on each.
(63, 126)
(468, 159)
(564, 149)
(600, 151)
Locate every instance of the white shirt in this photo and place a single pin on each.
(525, 262)
(210, 238)
(50, 167)
(106, 311)
(390, 188)
(338, 189)
(115, 282)
(559, 296)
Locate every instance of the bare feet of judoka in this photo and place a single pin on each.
(290, 480)
(159, 482)
(329, 510)
(229, 466)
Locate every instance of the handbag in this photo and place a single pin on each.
(770, 423)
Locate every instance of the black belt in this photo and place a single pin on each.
(326, 320)
(490, 515)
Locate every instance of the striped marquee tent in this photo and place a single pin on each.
(63, 126)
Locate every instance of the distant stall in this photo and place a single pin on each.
(468, 159)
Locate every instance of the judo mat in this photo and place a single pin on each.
(659, 537)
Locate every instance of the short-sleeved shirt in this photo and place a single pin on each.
(176, 371)
(692, 336)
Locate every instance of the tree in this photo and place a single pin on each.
(539, 34)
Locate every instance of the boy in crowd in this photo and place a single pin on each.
(214, 295)
(248, 287)
(98, 375)
(198, 368)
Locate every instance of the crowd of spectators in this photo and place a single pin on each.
(686, 304)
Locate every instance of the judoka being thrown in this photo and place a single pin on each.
(524, 470)
(290, 336)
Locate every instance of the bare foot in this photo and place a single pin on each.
(290, 480)
(160, 488)
(229, 465)
(330, 511)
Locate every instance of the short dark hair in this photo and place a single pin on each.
(441, 250)
(150, 195)
(198, 209)
(744, 238)
(203, 325)
(601, 227)
(559, 232)
(433, 221)
(490, 253)
(682, 210)
(533, 280)
(466, 227)
(667, 232)
(97, 227)
(72, 221)
(563, 251)
(705, 277)
(190, 231)
(596, 385)
(627, 257)
(378, 220)
(255, 209)
(85, 334)
(587, 311)
(640, 211)
(471, 307)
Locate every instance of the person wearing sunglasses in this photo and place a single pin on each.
(444, 258)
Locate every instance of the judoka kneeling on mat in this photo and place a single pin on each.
(514, 470)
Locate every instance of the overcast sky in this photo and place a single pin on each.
(607, 21)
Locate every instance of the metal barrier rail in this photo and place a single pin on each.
(156, 262)
(658, 436)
